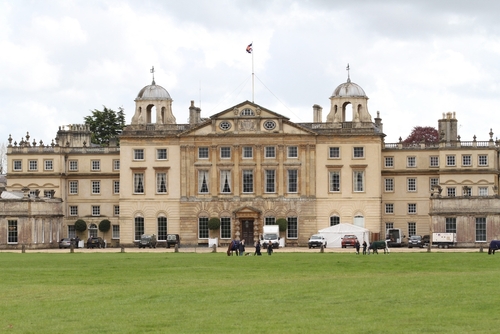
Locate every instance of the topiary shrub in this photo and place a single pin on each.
(104, 225)
(80, 225)
(282, 223)
(214, 223)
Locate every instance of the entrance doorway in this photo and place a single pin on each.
(247, 231)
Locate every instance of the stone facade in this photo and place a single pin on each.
(30, 222)
(249, 166)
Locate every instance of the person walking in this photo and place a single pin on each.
(269, 248)
(257, 248)
(364, 247)
(241, 247)
(357, 247)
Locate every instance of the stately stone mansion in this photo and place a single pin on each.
(249, 166)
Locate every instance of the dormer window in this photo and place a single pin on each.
(247, 112)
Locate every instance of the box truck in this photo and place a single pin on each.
(270, 235)
(444, 240)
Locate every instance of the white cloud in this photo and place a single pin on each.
(415, 60)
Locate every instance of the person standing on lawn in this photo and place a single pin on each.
(269, 248)
(257, 248)
(242, 247)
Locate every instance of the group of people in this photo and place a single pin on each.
(257, 248)
(366, 250)
(374, 246)
(241, 248)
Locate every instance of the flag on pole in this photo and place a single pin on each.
(249, 48)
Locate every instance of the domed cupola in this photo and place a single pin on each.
(349, 89)
(153, 92)
(153, 98)
(345, 94)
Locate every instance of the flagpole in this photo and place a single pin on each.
(253, 91)
(250, 50)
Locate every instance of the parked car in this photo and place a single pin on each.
(316, 240)
(415, 241)
(349, 240)
(147, 240)
(95, 242)
(65, 243)
(172, 240)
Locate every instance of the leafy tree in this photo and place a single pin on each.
(80, 225)
(282, 223)
(419, 134)
(105, 125)
(214, 223)
(104, 225)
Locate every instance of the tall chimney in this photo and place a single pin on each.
(317, 113)
(193, 119)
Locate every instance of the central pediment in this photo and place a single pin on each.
(246, 118)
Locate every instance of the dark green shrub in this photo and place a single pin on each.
(80, 225)
(283, 223)
(104, 225)
(214, 223)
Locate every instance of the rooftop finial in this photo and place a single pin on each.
(348, 75)
(152, 70)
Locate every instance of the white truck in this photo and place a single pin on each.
(444, 240)
(394, 237)
(270, 234)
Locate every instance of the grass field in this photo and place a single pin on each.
(283, 293)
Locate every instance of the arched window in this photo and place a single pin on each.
(138, 228)
(347, 110)
(151, 114)
(334, 220)
(92, 231)
(162, 228)
(225, 227)
(203, 227)
(359, 221)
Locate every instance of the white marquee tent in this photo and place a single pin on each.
(335, 233)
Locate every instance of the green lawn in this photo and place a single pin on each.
(214, 293)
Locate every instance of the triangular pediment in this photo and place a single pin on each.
(246, 209)
(247, 118)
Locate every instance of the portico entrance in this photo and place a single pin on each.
(247, 224)
(247, 231)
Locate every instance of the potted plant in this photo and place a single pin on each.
(213, 225)
(283, 224)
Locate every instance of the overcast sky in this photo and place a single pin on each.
(414, 59)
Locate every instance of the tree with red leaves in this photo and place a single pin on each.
(425, 134)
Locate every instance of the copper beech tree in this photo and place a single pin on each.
(422, 134)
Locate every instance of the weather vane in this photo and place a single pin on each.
(348, 75)
(152, 70)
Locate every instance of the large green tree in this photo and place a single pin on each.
(419, 134)
(105, 124)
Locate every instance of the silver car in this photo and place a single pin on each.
(65, 243)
